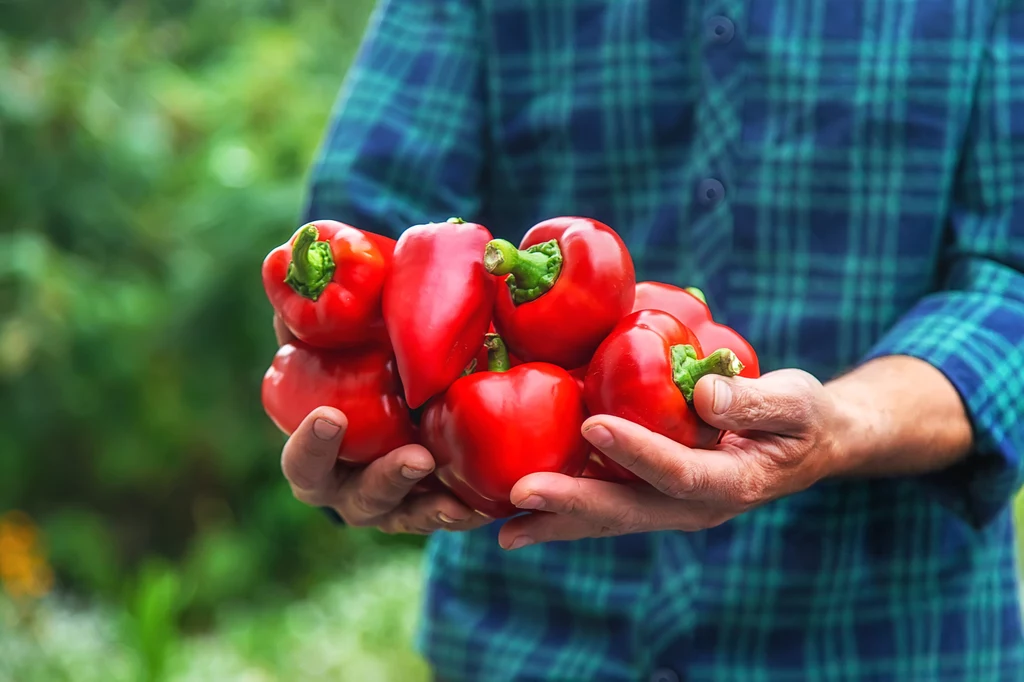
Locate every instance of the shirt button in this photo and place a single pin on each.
(710, 192)
(720, 30)
(664, 675)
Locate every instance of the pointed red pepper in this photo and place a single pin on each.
(492, 428)
(568, 284)
(645, 371)
(690, 307)
(363, 383)
(326, 283)
(438, 301)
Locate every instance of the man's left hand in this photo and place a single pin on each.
(784, 434)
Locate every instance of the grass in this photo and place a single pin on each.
(356, 629)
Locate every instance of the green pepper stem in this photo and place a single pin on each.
(497, 354)
(687, 369)
(312, 265)
(531, 271)
(697, 293)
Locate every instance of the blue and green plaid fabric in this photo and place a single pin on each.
(845, 179)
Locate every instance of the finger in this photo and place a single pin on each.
(572, 508)
(382, 485)
(785, 402)
(281, 331)
(674, 470)
(430, 512)
(309, 457)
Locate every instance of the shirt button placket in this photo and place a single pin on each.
(710, 192)
(720, 30)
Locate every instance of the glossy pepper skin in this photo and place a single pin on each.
(645, 371)
(569, 283)
(689, 307)
(438, 302)
(326, 284)
(363, 383)
(492, 428)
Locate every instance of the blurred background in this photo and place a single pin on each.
(151, 153)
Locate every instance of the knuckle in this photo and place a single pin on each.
(625, 520)
(304, 495)
(300, 480)
(637, 453)
(360, 521)
(757, 408)
(682, 480)
(574, 505)
(393, 524)
(792, 407)
(365, 504)
(751, 490)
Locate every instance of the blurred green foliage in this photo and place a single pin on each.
(344, 631)
(152, 153)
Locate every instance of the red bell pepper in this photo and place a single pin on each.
(569, 283)
(690, 307)
(326, 284)
(579, 374)
(363, 383)
(438, 301)
(492, 428)
(645, 371)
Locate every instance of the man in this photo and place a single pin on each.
(845, 181)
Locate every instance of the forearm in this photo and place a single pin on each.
(898, 415)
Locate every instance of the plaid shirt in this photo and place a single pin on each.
(844, 179)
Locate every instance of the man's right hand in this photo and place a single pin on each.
(373, 495)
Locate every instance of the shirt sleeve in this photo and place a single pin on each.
(973, 329)
(405, 142)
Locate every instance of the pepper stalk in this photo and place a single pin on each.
(312, 265)
(687, 369)
(531, 271)
(497, 354)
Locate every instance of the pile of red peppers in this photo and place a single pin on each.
(491, 355)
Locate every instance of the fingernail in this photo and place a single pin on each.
(325, 430)
(444, 518)
(599, 436)
(521, 541)
(414, 474)
(531, 502)
(723, 397)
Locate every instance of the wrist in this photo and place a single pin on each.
(857, 427)
(897, 415)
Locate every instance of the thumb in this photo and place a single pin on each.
(785, 402)
(309, 456)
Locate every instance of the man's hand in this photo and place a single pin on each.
(374, 495)
(780, 441)
(895, 415)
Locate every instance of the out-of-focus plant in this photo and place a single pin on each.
(150, 155)
(345, 630)
(25, 573)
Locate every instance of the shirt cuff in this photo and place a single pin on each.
(977, 341)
